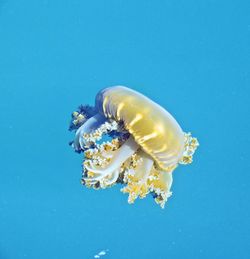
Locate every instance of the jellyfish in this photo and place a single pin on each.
(128, 139)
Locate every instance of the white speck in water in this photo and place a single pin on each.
(103, 252)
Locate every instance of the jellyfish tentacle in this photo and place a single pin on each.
(160, 185)
(137, 178)
(106, 180)
(143, 170)
(90, 125)
(112, 168)
(109, 178)
(112, 178)
(146, 178)
(120, 155)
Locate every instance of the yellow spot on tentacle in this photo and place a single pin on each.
(135, 190)
(78, 118)
(90, 174)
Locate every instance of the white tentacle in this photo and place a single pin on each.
(120, 155)
(111, 171)
(90, 125)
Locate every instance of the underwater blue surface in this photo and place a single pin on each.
(192, 57)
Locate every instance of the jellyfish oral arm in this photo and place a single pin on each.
(90, 125)
(144, 169)
(137, 178)
(119, 156)
(161, 186)
(126, 150)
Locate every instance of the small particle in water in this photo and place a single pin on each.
(103, 252)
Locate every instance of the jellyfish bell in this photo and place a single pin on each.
(153, 128)
(147, 144)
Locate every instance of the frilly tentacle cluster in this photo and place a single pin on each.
(95, 136)
(138, 179)
(191, 144)
(83, 113)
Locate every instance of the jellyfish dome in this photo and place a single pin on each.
(127, 138)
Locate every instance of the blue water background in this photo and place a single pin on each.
(190, 56)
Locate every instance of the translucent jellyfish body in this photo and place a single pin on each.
(144, 144)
